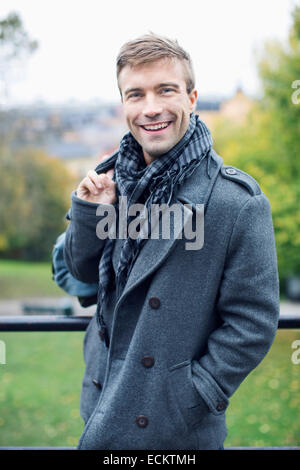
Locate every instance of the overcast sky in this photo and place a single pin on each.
(79, 41)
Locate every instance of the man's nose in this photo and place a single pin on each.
(152, 106)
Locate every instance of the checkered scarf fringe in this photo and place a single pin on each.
(147, 184)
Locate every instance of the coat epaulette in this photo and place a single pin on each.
(239, 176)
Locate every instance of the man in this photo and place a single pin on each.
(176, 330)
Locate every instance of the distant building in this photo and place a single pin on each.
(79, 134)
(207, 110)
(235, 108)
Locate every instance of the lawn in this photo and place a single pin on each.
(40, 389)
(265, 410)
(27, 279)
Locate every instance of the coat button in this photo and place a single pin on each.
(142, 421)
(97, 384)
(221, 406)
(231, 171)
(154, 302)
(148, 361)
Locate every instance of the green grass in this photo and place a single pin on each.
(40, 389)
(41, 380)
(25, 279)
(265, 409)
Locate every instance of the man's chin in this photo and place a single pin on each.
(156, 152)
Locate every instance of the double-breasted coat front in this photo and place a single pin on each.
(189, 325)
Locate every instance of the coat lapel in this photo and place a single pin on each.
(195, 190)
(155, 251)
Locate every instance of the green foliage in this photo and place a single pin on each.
(35, 189)
(279, 69)
(267, 144)
(34, 196)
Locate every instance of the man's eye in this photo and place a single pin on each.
(167, 90)
(134, 95)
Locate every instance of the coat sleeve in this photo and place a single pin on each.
(248, 306)
(83, 248)
(64, 278)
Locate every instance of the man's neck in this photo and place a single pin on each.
(148, 159)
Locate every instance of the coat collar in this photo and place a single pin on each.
(195, 190)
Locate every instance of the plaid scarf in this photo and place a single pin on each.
(155, 183)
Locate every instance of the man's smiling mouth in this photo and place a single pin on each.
(156, 127)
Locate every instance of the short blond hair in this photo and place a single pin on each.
(152, 47)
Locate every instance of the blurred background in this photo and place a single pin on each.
(60, 112)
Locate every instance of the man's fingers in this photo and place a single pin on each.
(89, 184)
(100, 181)
(99, 188)
(94, 177)
(105, 180)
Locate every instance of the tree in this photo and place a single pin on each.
(279, 69)
(15, 47)
(267, 146)
(34, 196)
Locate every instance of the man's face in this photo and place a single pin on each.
(156, 104)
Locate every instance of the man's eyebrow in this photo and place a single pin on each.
(175, 85)
(129, 90)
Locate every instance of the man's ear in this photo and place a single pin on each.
(193, 99)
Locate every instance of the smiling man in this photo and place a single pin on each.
(175, 331)
(157, 104)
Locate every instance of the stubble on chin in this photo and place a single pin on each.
(154, 154)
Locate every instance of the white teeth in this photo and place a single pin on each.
(158, 126)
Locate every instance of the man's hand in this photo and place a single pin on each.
(100, 189)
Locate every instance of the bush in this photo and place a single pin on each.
(34, 197)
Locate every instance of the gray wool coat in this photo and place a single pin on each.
(189, 325)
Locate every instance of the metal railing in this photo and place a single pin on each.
(80, 323)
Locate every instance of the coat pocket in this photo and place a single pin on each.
(190, 403)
